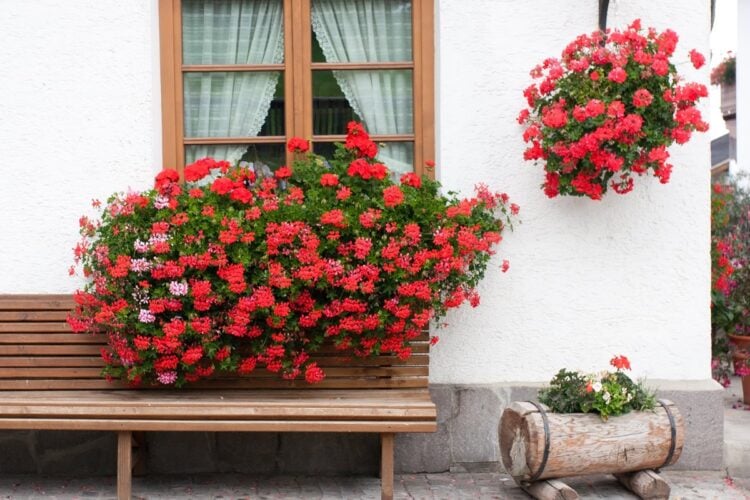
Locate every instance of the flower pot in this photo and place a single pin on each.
(536, 444)
(740, 356)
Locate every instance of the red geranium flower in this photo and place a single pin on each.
(298, 145)
(393, 196)
(620, 362)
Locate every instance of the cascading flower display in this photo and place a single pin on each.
(234, 272)
(608, 110)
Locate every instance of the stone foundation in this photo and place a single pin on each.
(466, 439)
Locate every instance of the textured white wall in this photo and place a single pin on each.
(743, 87)
(78, 120)
(629, 274)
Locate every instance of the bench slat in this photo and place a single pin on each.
(323, 361)
(49, 338)
(36, 302)
(188, 412)
(338, 397)
(268, 383)
(50, 350)
(50, 361)
(334, 372)
(63, 372)
(416, 347)
(36, 327)
(33, 315)
(219, 425)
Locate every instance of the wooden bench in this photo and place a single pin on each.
(50, 379)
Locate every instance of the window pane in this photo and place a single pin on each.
(361, 30)
(398, 156)
(271, 155)
(233, 104)
(232, 31)
(381, 99)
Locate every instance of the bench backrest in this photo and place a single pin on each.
(39, 352)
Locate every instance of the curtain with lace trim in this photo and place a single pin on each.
(229, 104)
(372, 31)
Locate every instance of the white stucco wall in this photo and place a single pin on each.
(630, 275)
(743, 91)
(78, 119)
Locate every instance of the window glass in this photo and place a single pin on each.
(362, 30)
(381, 99)
(232, 32)
(397, 156)
(232, 104)
(271, 155)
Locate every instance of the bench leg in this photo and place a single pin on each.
(124, 464)
(386, 466)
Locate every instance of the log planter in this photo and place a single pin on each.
(537, 445)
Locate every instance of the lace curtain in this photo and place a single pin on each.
(370, 31)
(229, 104)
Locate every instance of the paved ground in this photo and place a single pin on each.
(736, 431)
(685, 485)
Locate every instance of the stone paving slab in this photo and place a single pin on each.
(685, 486)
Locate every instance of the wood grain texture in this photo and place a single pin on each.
(647, 484)
(386, 466)
(38, 352)
(287, 425)
(51, 378)
(584, 444)
(124, 464)
(169, 116)
(551, 489)
(36, 302)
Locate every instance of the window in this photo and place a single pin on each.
(239, 77)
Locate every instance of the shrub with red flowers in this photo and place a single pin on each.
(608, 110)
(726, 71)
(233, 272)
(730, 274)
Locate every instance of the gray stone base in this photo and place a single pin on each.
(468, 418)
(466, 440)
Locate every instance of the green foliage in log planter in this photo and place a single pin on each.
(606, 393)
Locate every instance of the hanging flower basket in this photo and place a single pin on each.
(233, 272)
(608, 110)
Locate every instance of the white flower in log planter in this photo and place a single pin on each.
(591, 424)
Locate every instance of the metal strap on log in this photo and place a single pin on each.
(672, 434)
(545, 456)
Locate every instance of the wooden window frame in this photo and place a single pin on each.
(298, 70)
